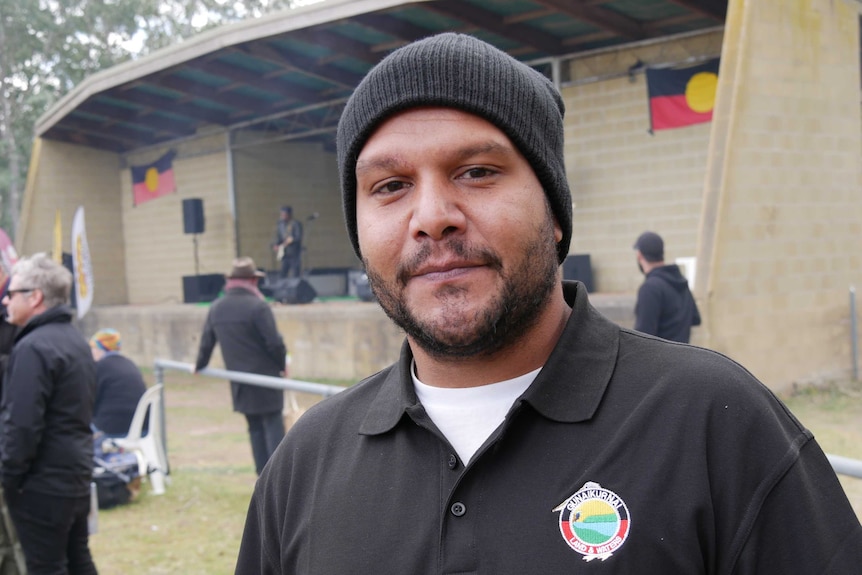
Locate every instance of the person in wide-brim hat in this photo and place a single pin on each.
(244, 268)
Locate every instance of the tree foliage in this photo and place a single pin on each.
(48, 46)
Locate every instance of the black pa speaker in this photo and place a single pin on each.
(293, 290)
(578, 267)
(202, 288)
(363, 288)
(193, 216)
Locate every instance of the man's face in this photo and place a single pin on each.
(456, 234)
(20, 305)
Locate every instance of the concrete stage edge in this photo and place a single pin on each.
(340, 340)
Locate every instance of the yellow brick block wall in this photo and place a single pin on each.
(303, 176)
(65, 178)
(625, 180)
(159, 253)
(784, 208)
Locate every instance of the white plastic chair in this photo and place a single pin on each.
(149, 448)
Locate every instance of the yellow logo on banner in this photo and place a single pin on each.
(82, 277)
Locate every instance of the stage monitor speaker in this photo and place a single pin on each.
(202, 288)
(69, 265)
(293, 290)
(578, 267)
(363, 288)
(193, 216)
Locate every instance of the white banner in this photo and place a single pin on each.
(82, 267)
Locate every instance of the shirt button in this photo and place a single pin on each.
(452, 461)
(458, 509)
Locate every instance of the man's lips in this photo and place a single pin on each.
(444, 271)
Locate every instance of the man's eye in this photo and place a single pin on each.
(390, 187)
(476, 173)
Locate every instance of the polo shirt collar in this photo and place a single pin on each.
(568, 389)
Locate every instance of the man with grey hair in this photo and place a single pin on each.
(46, 444)
(521, 431)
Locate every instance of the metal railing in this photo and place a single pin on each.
(845, 465)
(842, 465)
(160, 365)
(263, 380)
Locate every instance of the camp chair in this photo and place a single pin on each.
(149, 448)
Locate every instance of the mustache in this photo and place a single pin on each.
(461, 249)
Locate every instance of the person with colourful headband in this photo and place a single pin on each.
(521, 432)
(119, 384)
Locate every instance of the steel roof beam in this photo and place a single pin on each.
(337, 43)
(265, 82)
(115, 113)
(297, 63)
(401, 29)
(714, 9)
(607, 20)
(493, 22)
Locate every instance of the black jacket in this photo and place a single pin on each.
(7, 340)
(665, 306)
(46, 445)
(244, 326)
(119, 387)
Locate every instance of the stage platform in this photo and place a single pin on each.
(338, 339)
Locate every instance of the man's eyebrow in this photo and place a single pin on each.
(464, 153)
(483, 148)
(380, 163)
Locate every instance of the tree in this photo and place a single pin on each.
(48, 46)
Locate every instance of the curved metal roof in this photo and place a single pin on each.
(289, 74)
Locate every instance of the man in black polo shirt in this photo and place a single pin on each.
(521, 431)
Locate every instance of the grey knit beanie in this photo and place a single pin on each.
(459, 71)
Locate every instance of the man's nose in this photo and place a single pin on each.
(438, 210)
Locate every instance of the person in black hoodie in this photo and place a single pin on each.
(46, 444)
(665, 306)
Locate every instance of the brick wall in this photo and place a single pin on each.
(303, 176)
(66, 177)
(625, 180)
(158, 252)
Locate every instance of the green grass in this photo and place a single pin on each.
(834, 414)
(195, 528)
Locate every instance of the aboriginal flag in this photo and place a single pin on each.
(682, 96)
(154, 180)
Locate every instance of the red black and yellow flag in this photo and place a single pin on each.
(154, 180)
(682, 96)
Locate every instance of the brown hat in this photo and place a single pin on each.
(244, 268)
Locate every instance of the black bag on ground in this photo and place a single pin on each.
(116, 476)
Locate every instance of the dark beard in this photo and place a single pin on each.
(503, 321)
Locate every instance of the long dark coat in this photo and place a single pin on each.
(244, 326)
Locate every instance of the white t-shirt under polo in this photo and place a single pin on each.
(468, 416)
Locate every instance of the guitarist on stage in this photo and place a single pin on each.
(288, 243)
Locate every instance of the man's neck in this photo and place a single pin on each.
(526, 354)
(650, 266)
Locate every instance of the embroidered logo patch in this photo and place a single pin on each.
(594, 521)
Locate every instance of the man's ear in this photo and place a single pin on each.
(38, 297)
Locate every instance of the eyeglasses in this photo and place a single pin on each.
(12, 292)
